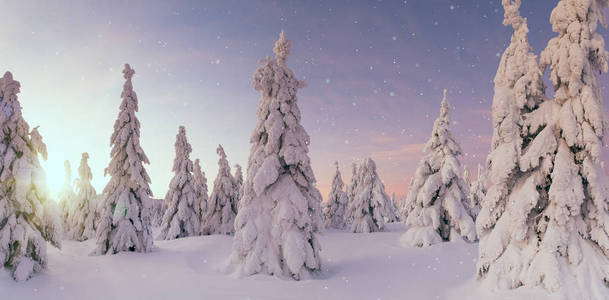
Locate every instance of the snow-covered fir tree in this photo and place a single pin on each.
(395, 208)
(157, 210)
(477, 191)
(504, 224)
(335, 208)
(238, 183)
(125, 218)
(466, 177)
(27, 219)
(350, 189)
(182, 217)
(544, 220)
(403, 208)
(438, 198)
(83, 218)
(222, 203)
(201, 190)
(280, 213)
(66, 197)
(370, 208)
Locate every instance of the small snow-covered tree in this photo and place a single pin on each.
(370, 207)
(27, 216)
(395, 208)
(222, 204)
(201, 190)
(157, 210)
(279, 213)
(350, 189)
(403, 208)
(238, 183)
(466, 176)
(82, 221)
(335, 207)
(182, 217)
(66, 197)
(438, 198)
(477, 190)
(125, 218)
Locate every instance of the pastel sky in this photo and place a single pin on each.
(375, 72)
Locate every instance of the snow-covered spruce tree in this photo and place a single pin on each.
(395, 208)
(66, 197)
(125, 218)
(477, 191)
(509, 211)
(544, 220)
(336, 207)
(438, 198)
(182, 217)
(82, 220)
(222, 203)
(350, 189)
(201, 190)
(279, 214)
(238, 183)
(403, 208)
(27, 219)
(157, 210)
(466, 176)
(370, 207)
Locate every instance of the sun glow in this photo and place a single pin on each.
(55, 175)
(55, 170)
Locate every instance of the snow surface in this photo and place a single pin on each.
(188, 268)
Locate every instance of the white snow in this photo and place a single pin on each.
(189, 268)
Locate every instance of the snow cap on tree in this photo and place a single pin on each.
(125, 218)
(279, 213)
(222, 203)
(282, 48)
(182, 217)
(438, 198)
(335, 207)
(28, 218)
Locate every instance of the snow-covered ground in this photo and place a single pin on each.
(356, 266)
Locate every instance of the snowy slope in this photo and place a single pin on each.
(356, 266)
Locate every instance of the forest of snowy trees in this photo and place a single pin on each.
(538, 207)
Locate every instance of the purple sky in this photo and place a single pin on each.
(375, 69)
